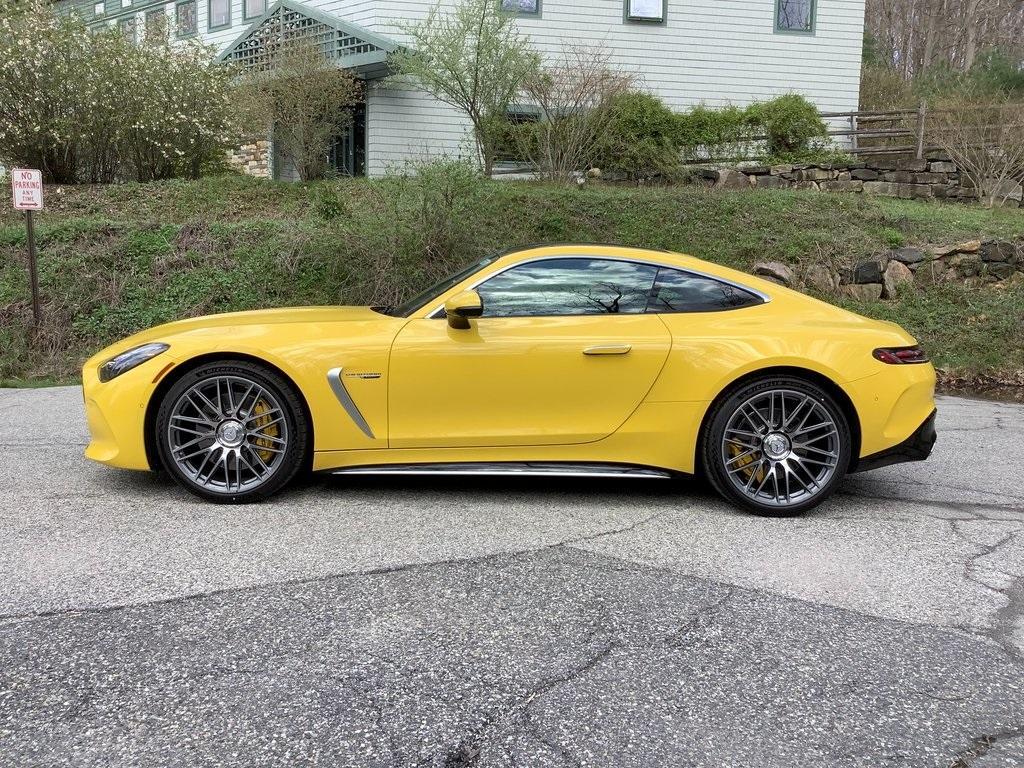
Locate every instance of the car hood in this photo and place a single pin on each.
(315, 315)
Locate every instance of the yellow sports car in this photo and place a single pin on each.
(549, 360)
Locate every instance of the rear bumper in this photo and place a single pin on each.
(917, 447)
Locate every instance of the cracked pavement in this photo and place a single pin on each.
(416, 622)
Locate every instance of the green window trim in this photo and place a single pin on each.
(810, 30)
(633, 18)
(209, 15)
(518, 11)
(246, 16)
(177, 19)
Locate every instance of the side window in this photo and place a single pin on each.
(677, 291)
(579, 286)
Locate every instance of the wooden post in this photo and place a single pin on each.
(920, 130)
(853, 127)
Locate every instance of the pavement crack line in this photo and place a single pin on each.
(466, 753)
(383, 570)
(981, 745)
(1006, 618)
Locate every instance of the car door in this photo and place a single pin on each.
(563, 353)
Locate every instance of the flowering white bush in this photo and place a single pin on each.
(92, 106)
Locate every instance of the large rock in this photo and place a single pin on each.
(941, 251)
(775, 270)
(895, 276)
(930, 273)
(941, 166)
(836, 185)
(727, 178)
(968, 246)
(907, 255)
(881, 188)
(779, 170)
(965, 264)
(1008, 190)
(999, 250)
(869, 271)
(821, 278)
(999, 269)
(911, 164)
(770, 182)
(864, 174)
(814, 174)
(811, 185)
(753, 168)
(863, 292)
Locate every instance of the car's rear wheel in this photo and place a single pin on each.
(777, 446)
(231, 432)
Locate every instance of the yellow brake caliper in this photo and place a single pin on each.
(259, 413)
(746, 461)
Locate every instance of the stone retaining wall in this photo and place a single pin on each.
(252, 159)
(897, 176)
(999, 263)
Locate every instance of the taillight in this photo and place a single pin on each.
(900, 355)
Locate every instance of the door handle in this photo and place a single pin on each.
(608, 349)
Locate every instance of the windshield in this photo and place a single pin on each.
(421, 299)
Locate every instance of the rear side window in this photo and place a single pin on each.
(677, 291)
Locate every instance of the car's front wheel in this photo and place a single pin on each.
(231, 432)
(778, 446)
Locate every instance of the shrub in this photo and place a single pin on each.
(577, 98)
(642, 138)
(791, 123)
(713, 133)
(92, 106)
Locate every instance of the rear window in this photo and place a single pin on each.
(678, 291)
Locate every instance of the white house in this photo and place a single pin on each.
(687, 52)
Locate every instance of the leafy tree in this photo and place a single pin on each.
(304, 100)
(473, 59)
(92, 106)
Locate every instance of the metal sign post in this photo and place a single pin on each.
(27, 192)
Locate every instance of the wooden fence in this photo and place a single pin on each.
(877, 132)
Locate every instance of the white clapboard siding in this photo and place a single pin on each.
(712, 52)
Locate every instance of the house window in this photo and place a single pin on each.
(253, 8)
(187, 20)
(126, 3)
(646, 11)
(525, 7)
(99, 8)
(156, 25)
(220, 13)
(794, 15)
(128, 28)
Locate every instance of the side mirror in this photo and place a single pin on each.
(461, 307)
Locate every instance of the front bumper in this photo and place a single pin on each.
(116, 413)
(917, 447)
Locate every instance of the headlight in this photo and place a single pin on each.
(115, 366)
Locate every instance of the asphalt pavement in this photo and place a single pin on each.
(404, 622)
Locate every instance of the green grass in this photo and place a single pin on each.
(116, 259)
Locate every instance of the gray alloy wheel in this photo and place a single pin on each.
(231, 432)
(777, 447)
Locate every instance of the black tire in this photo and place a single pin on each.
(724, 480)
(281, 467)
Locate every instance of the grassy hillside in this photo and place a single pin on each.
(117, 259)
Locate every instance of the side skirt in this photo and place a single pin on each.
(517, 469)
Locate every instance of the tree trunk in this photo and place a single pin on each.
(971, 23)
